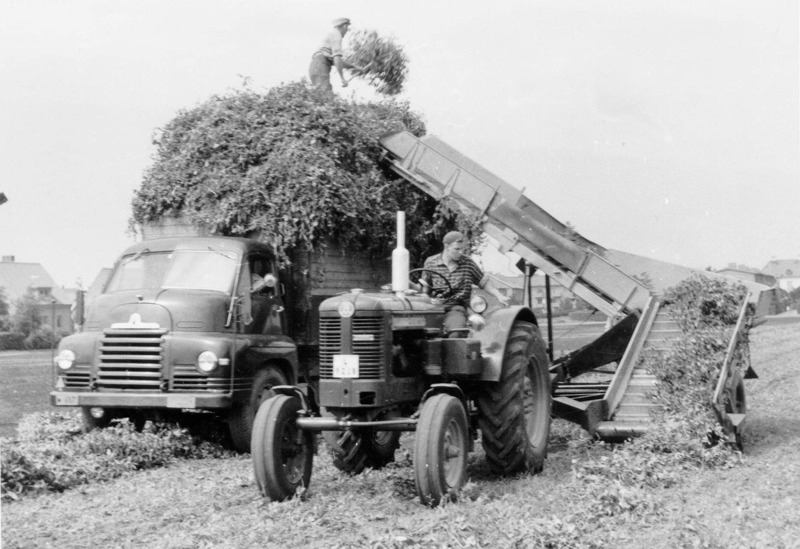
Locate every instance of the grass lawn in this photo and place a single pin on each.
(26, 383)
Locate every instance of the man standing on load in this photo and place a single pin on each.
(329, 55)
(462, 273)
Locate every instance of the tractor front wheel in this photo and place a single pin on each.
(282, 453)
(440, 449)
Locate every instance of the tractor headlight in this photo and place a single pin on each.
(478, 304)
(346, 309)
(207, 361)
(65, 359)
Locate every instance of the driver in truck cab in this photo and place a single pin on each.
(455, 266)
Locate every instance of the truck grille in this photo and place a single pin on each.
(130, 360)
(187, 378)
(366, 342)
(77, 377)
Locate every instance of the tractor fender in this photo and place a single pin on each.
(494, 337)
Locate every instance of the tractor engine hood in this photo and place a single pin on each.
(172, 310)
(381, 302)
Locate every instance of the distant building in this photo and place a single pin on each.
(785, 271)
(562, 300)
(748, 275)
(54, 302)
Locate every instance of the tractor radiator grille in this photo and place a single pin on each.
(366, 341)
(130, 360)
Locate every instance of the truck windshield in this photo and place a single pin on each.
(184, 269)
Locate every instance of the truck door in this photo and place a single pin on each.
(269, 316)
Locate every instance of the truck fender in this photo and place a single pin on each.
(278, 353)
(494, 337)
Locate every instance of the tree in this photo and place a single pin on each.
(295, 165)
(4, 318)
(26, 318)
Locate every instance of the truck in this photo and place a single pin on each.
(387, 366)
(188, 322)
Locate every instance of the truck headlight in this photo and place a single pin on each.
(478, 304)
(65, 359)
(207, 361)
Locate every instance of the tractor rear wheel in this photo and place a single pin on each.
(282, 453)
(354, 451)
(515, 411)
(440, 449)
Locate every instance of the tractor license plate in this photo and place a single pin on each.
(345, 366)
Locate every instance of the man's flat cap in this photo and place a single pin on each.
(341, 21)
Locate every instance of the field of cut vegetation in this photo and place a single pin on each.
(589, 495)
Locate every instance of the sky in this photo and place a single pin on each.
(667, 129)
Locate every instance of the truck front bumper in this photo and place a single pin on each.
(128, 400)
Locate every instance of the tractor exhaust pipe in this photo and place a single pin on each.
(400, 258)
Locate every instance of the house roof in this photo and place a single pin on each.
(783, 268)
(17, 277)
(755, 276)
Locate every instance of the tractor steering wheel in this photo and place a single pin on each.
(439, 293)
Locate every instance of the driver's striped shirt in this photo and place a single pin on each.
(462, 278)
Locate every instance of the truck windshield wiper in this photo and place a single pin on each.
(227, 255)
(134, 257)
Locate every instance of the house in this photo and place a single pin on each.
(54, 302)
(748, 274)
(785, 271)
(562, 300)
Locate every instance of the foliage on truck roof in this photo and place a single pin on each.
(296, 166)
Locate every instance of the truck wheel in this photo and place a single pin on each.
(515, 411)
(240, 419)
(282, 453)
(440, 449)
(353, 451)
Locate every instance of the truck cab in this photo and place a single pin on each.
(194, 323)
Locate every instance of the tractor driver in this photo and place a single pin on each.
(462, 273)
